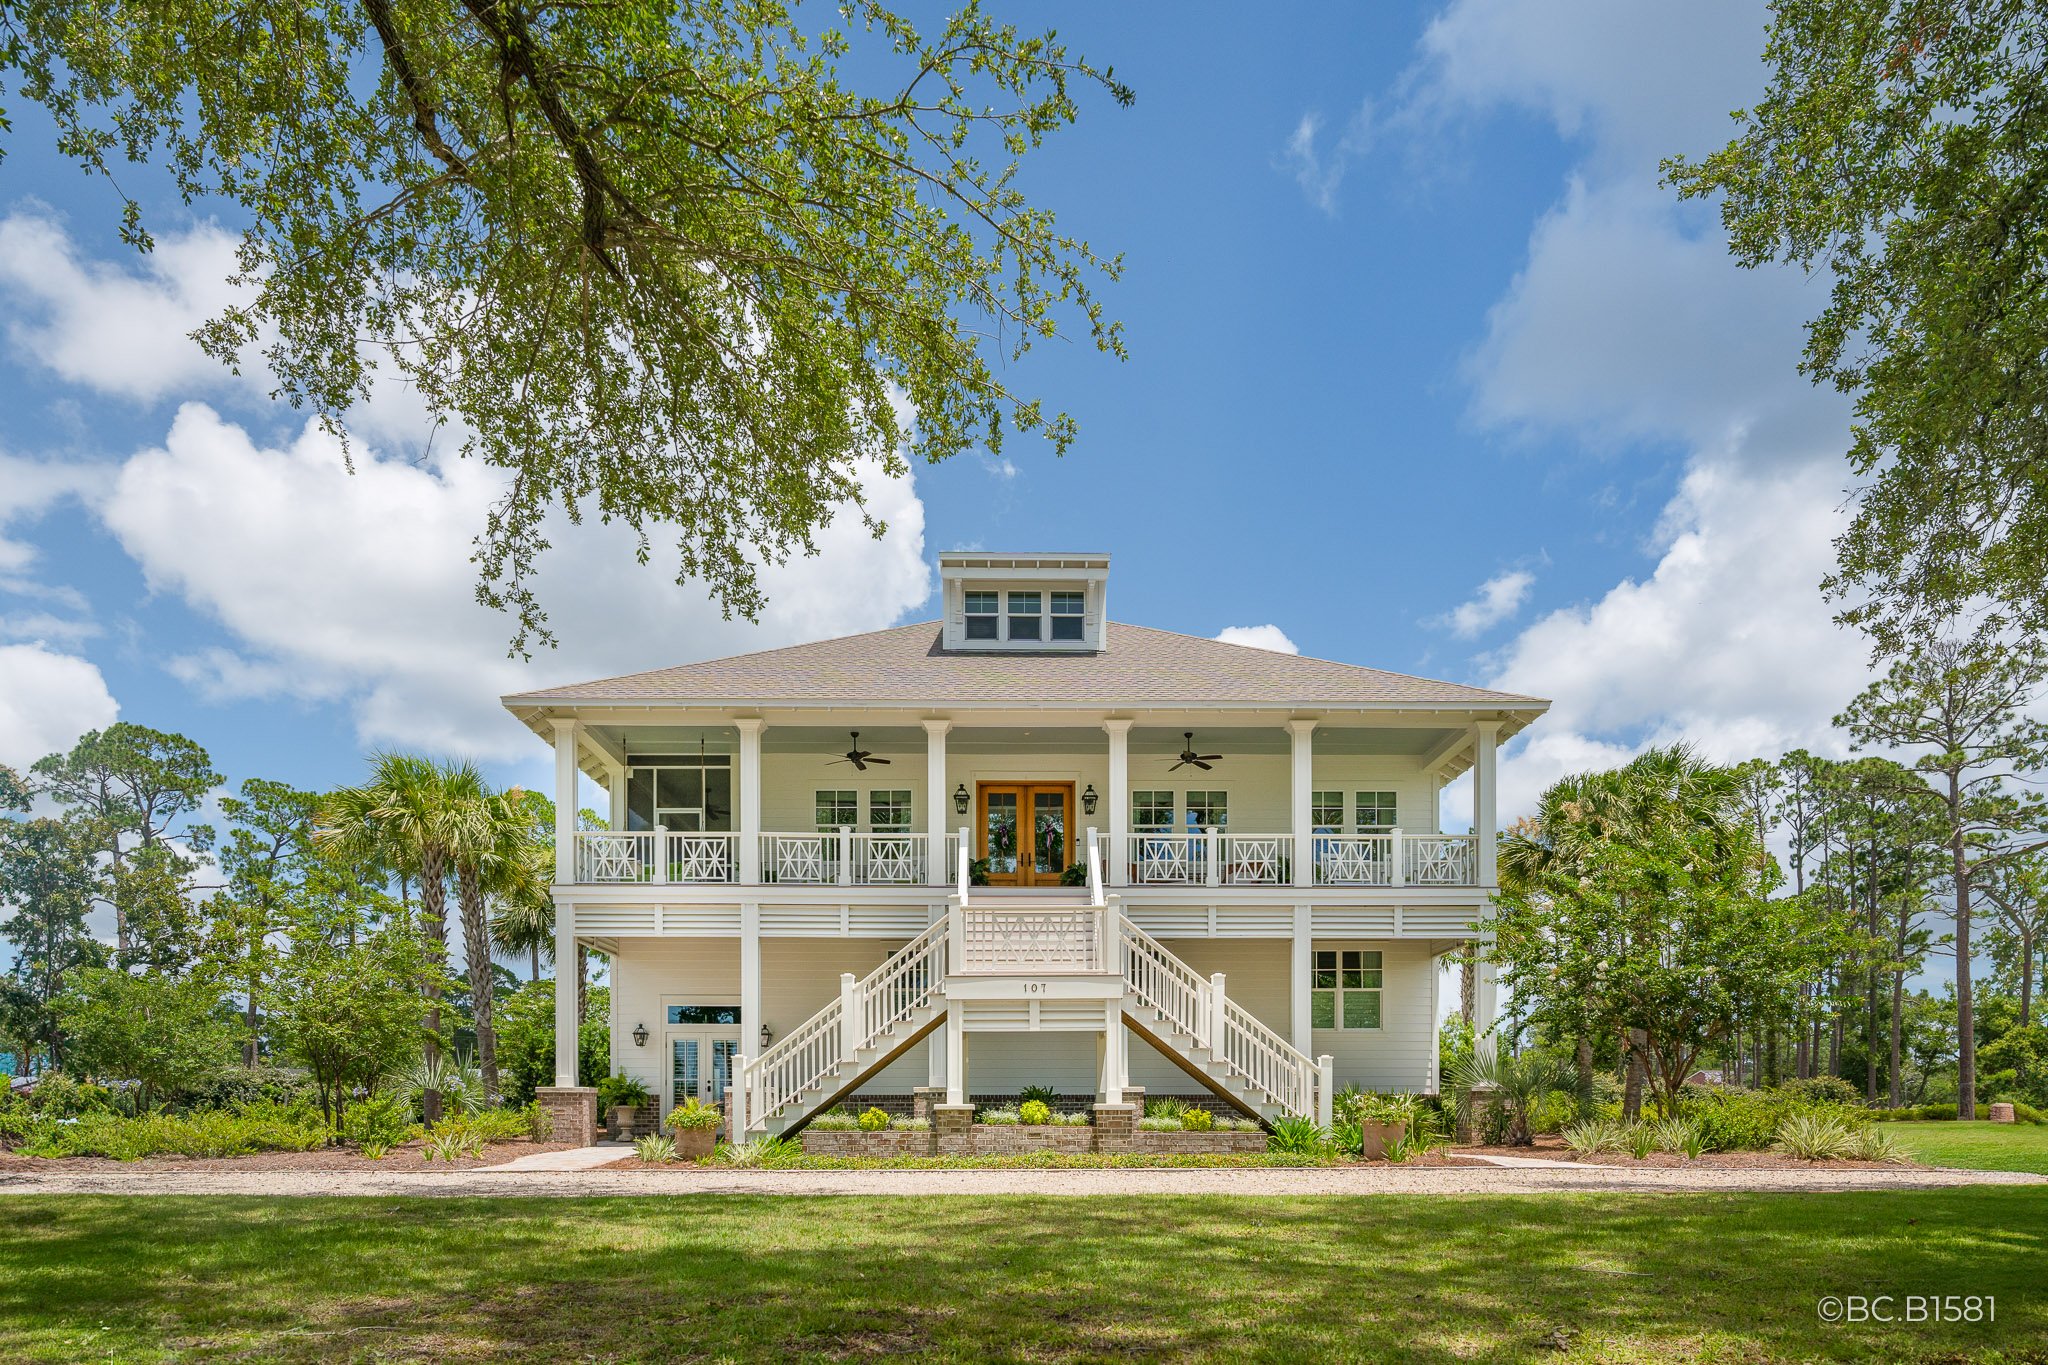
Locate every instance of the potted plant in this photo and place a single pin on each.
(695, 1126)
(619, 1096)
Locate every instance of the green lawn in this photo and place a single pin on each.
(1571, 1278)
(1977, 1146)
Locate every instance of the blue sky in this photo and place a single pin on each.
(1426, 373)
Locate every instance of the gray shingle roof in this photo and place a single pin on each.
(1141, 667)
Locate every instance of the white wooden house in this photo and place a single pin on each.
(1021, 845)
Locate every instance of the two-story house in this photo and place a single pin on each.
(1021, 845)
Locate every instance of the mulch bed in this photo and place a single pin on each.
(410, 1156)
(1550, 1147)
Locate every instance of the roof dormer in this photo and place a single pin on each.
(1024, 603)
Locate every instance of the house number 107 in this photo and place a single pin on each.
(1034, 988)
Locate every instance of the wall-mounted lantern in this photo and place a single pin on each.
(639, 1035)
(960, 799)
(765, 1035)
(1088, 800)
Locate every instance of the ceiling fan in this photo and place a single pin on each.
(857, 756)
(1188, 755)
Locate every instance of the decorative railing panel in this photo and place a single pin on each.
(614, 856)
(1440, 859)
(806, 859)
(702, 858)
(1255, 859)
(1049, 940)
(1158, 859)
(1354, 859)
(889, 859)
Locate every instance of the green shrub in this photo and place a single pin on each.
(1044, 1094)
(910, 1125)
(1680, 1136)
(215, 1133)
(1348, 1137)
(1153, 1123)
(1074, 1120)
(1818, 1135)
(239, 1086)
(1874, 1144)
(1738, 1120)
(621, 1089)
(834, 1122)
(1165, 1107)
(759, 1152)
(1001, 1118)
(1036, 1112)
(1593, 1137)
(57, 1096)
(1298, 1135)
(654, 1147)
(873, 1121)
(1197, 1120)
(376, 1151)
(380, 1119)
(1640, 1139)
(498, 1125)
(1553, 1112)
(1818, 1091)
(695, 1116)
(2027, 1113)
(451, 1139)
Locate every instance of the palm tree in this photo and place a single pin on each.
(525, 918)
(402, 819)
(490, 852)
(1519, 1085)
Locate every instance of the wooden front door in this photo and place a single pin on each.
(1026, 832)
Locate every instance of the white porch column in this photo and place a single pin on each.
(956, 1059)
(1484, 800)
(750, 977)
(1301, 790)
(938, 801)
(1119, 800)
(750, 728)
(1300, 965)
(615, 785)
(1112, 1054)
(565, 912)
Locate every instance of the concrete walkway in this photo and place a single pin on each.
(1461, 1179)
(568, 1159)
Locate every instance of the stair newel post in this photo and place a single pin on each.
(1217, 1000)
(1397, 874)
(850, 1016)
(956, 939)
(1326, 1073)
(660, 854)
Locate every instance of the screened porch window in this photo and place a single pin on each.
(687, 794)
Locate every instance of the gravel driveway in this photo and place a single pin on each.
(1476, 1179)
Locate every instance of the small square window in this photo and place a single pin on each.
(1208, 810)
(837, 808)
(1376, 812)
(889, 812)
(1068, 615)
(1025, 622)
(1326, 812)
(1152, 812)
(981, 616)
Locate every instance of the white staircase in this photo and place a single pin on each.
(994, 940)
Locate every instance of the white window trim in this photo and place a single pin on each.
(1337, 992)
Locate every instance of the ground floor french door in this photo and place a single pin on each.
(1026, 832)
(700, 1063)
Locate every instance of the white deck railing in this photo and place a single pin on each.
(613, 856)
(998, 941)
(846, 857)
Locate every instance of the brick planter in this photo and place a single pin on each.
(571, 1111)
(1006, 1139)
(852, 1142)
(1198, 1144)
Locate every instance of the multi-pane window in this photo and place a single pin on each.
(1068, 610)
(1376, 812)
(1208, 810)
(981, 616)
(889, 812)
(1025, 622)
(836, 809)
(1326, 812)
(1152, 812)
(679, 793)
(1345, 990)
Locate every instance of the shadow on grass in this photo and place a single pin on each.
(1413, 1278)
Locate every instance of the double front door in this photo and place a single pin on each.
(1026, 832)
(700, 1063)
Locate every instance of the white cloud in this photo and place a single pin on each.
(1320, 172)
(47, 700)
(1259, 637)
(1498, 599)
(29, 488)
(358, 587)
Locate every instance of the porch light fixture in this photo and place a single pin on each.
(1088, 799)
(765, 1035)
(639, 1035)
(960, 799)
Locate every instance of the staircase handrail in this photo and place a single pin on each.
(1164, 982)
(1268, 1061)
(815, 1048)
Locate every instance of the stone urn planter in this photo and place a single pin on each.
(694, 1144)
(622, 1120)
(1377, 1137)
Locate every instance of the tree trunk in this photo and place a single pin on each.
(2026, 977)
(1835, 1046)
(434, 923)
(476, 954)
(1771, 1076)
(1584, 1058)
(1966, 1013)
(249, 1022)
(1634, 1043)
(533, 973)
(1898, 1024)
(1468, 984)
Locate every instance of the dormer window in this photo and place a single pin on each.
(981, 616)
(1069, 615)
(1025, 622)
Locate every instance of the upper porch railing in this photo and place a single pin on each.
(847, 857)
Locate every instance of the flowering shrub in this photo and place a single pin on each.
(1036, 1112)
